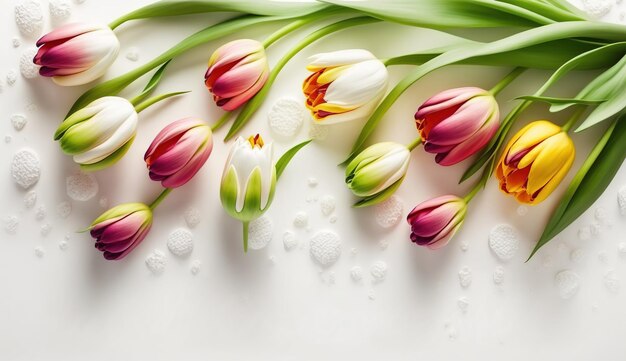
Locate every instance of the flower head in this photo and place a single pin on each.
(77, 53)
(179, 151)
(99, 134)
(237, 71)
(535, 161)
(345, 85)
(120, 229)
(457, 123)
(377, 168)
(249, 179)
(434, 222)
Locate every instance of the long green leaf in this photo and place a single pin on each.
(525, 39)
(590, 181)
(286, 158)
(559, 101)
(254, 7)
(611, 51)
(117, 84)
(152, 83)
(611, 85)
(444, 14)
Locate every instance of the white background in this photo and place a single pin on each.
(272, 304)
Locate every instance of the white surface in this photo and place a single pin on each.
(272, 304)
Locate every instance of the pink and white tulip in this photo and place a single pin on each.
(237, 71)
(77, 53)
(457, 123)
(120, 229)
(434, 222)
(179, 151)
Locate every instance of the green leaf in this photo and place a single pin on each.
(517, 41)
(117, 84)
(142, 106)
(590, 181)
(560, 101)
(439, 14)
(253, 104)
(152, 83)
(606, 52)
(254, 7)
(286, 158)
(610, 84)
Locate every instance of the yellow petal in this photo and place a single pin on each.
(556, 180)
(331, 74)
(333, 108)
(556, 151)
(531, 135)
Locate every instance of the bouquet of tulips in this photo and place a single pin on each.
(350, 85)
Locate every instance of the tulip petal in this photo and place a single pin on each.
(338, 58)
(192, 167)
(68, 31)
(529, 136)
(467, 120)
(557, 150)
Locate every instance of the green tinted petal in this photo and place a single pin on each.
(110, 160)
(228, 192)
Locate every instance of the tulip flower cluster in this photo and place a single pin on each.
(175, 155)
(346, 86)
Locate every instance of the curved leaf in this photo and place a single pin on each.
(590, 181)
(286, 158)
(561, 101)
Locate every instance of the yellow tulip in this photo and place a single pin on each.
(535, 161)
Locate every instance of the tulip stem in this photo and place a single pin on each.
(473, 192)
(506, 80)
(414, 144)
(151, 101)
(574, 118)
(160, 198)
(292, 26)
(245, 236)
(221, 121)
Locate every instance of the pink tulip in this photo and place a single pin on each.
(237, 71)
(435, 221)
(77, 53)
(179, 151)
(457, 123)
(120, 229)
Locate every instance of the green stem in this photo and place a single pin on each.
(574, 118)
(287, 29)
(221, 121)
(473, 192)
(245, 236)
(160, 198)
(256, 102)
(414, 144)
(506, 81)
(151, 101)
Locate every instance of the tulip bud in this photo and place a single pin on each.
(535, 161)
(120, 229)
(179, 151)
(99, 134)
(237, 71)
(457, 123)
(249, 179)
(345, 85)
(77, 53)
(434, 222)
(377, 168)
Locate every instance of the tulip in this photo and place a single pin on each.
(378, 168)
(99, 134)
(237, 71)
(249, 179)
(434, 222)
(457, 123)
(179, 151)
(120, 229)
(535, 161)
(77, 53)
(345, 85)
